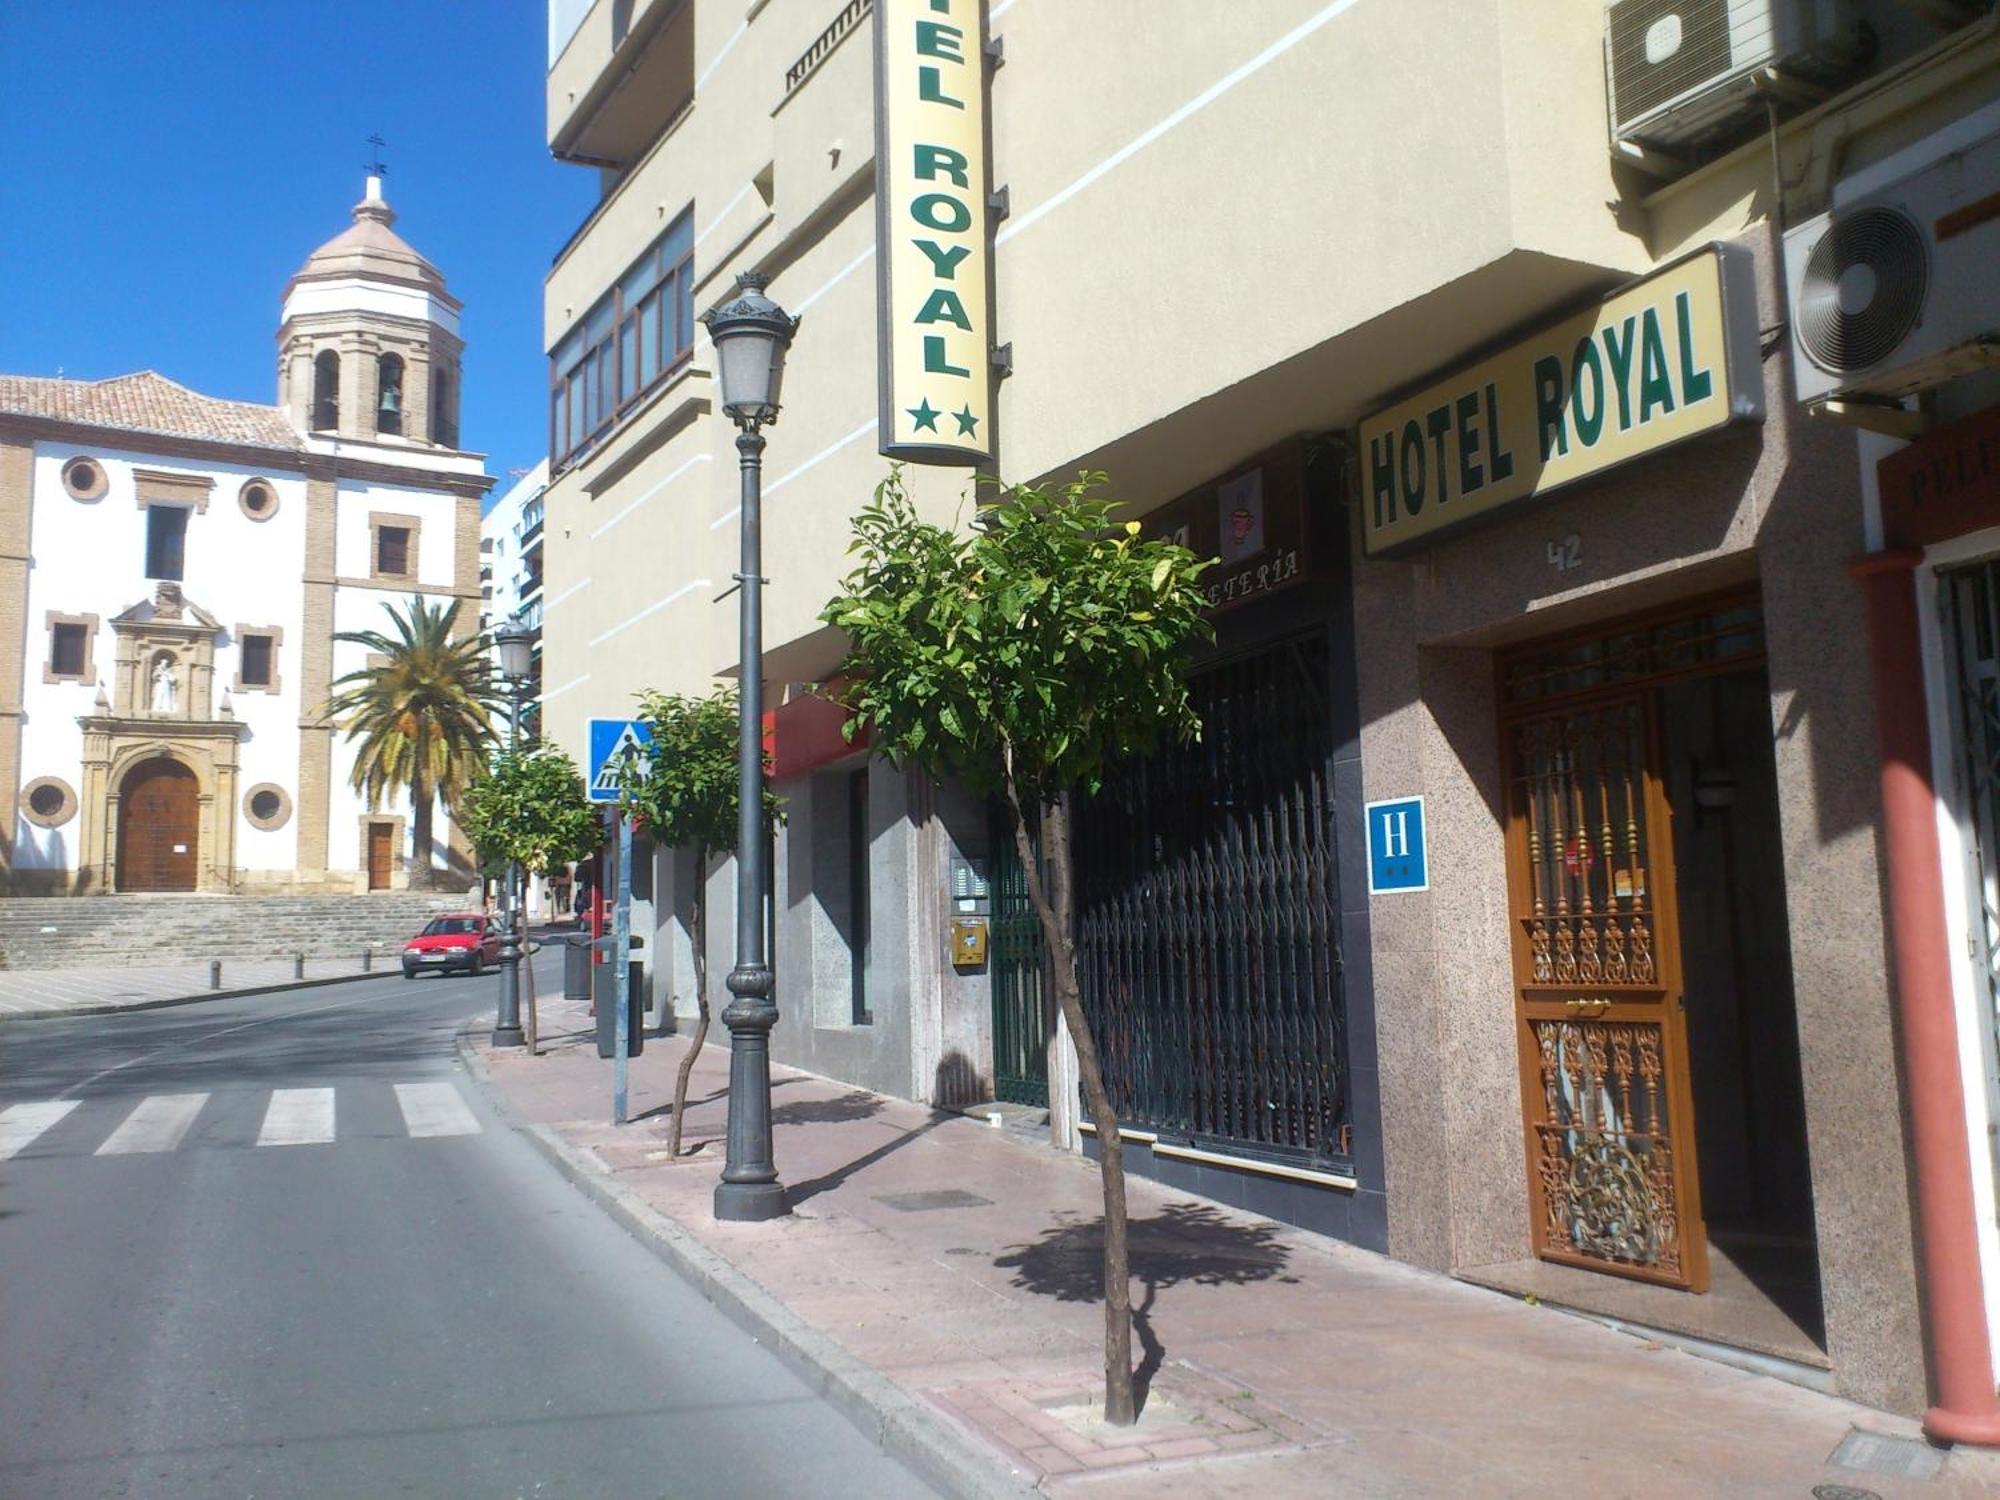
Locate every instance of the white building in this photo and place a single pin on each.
(173, 570)
(510, 572)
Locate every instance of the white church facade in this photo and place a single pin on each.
(174, 568)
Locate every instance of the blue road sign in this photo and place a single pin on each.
(611, 740)
(1398, 857)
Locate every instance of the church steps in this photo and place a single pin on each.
(120, 931)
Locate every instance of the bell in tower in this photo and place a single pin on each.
(369, 346)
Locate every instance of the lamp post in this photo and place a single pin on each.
(516, 644)
(751, 334)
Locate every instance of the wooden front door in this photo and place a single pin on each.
(381, 855)
(1608, 1110)
(159, 819)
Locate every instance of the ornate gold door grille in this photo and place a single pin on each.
(1604, 1072)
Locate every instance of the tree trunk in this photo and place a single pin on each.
(1056, 915)
(700, 914)
(422, 877)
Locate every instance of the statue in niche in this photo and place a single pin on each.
(166, 697)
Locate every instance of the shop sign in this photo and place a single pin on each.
(931, 232)
(1667, 359)
(1945, 484)
(1398, 853)
(1252, 522)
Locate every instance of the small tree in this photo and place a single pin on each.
(685, 795)
(531, 806)
(1024, 659)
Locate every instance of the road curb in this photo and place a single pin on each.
(108, 1008)
(903, 1426)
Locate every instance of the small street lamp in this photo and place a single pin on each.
(516, 644)
(751, 334)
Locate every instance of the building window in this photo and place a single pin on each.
(258, 499)
(71, 638)
(257, 658)
(638, 333)
(393, 543)
(444, 417)
(326, 391)
(84, 478)
(48, 802)
(389, 394)
(266, 806)
(166, 542)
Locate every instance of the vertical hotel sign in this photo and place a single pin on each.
(931, 231)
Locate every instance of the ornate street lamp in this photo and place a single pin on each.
(751, 334)
(516, 645)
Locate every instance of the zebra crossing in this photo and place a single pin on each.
(160, 1123)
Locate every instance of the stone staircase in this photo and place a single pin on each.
(82, 932)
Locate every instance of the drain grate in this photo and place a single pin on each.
(1879, 1453)
(1842, 1492)
(916, 1203)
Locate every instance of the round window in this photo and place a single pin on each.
(266, 804)
(258, 499)
(84, 478)
(48, 802)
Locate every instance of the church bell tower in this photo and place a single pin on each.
(368, 348)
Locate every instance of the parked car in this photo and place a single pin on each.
(458, 940)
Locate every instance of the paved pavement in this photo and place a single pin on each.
(35, 993)
(281, 1246)
(955, 1267)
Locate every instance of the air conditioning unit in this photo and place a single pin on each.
(1680, 70)
(1894, 291)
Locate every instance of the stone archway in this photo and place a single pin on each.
(159, 827)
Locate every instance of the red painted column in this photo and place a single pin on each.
(1955, 1309)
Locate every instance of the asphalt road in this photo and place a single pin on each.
(310, 1281)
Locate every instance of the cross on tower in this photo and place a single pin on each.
(376, 166)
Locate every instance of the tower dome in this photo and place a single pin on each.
(369, 345)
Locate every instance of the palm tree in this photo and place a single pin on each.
(423, 715)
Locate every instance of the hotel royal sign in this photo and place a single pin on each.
(1669, 358)
(932, 232)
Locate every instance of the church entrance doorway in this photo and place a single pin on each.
(158, 827)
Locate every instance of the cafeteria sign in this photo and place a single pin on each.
(1667, 359)
(936, 380)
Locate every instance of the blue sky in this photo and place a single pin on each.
(167, 167)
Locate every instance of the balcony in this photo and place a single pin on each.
(623, 75)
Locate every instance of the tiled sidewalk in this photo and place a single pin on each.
(62, 992)
(962, 1264)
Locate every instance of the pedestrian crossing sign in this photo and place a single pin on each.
(615, 745)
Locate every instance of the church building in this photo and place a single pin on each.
(174, 568)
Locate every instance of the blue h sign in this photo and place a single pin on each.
(1398, 857)
(612, 741)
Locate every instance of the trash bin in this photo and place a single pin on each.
(607, 1005)
(576, 968)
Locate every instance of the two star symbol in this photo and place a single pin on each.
(926, 417)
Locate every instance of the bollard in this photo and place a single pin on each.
(367, 960)
(215, 973)
(298, 966)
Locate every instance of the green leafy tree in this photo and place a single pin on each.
(684, 795)
(421, 719)
(1022, 660)
(532, 807)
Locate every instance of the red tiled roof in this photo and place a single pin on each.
(150, 403)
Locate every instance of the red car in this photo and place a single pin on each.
(458, 940)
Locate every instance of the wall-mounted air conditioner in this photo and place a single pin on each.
(1895, 291)
(1681, 70)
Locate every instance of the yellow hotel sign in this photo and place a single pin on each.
(931, 231)
(1667, 359)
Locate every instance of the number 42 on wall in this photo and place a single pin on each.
(1566, 553)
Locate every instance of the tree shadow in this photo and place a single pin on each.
(1185, 1243)
(843, 1109)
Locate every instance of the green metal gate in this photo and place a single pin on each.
(1020, 1019)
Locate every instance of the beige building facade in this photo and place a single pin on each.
(1222, 250)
